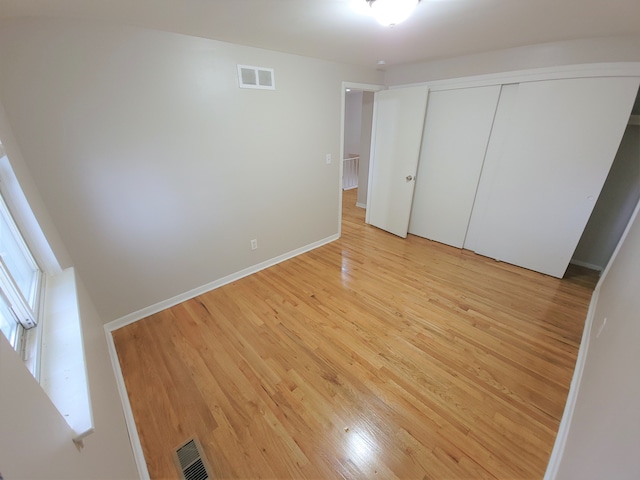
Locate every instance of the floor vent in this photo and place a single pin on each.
(190, 461)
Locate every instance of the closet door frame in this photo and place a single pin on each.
(617, 69)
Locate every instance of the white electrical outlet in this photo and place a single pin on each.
(254, 244)
(328, 158)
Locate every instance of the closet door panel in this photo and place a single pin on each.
(456, 133)
(547, 174)
(499, 134)
(398, 123)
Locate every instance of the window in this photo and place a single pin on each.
(20, 282)
(53, 352)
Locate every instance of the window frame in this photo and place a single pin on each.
(27, 312)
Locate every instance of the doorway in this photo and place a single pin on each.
(357, 125)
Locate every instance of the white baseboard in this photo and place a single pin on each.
(136, 446)
(361, 205)
(145, 312)
(574, 389)
(591, 266)
(350, 188)
(158, 307)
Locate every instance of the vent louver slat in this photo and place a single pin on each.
(190, 461)
(196, 471)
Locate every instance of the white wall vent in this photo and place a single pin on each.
(256, 77)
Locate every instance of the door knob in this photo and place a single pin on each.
(409, 178)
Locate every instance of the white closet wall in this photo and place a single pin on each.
(456, 133)
(549, 154)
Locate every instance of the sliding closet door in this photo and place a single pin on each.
(398, 121)
(456, 134)
(548, 157)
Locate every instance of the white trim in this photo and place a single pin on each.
(574, 389)
(343, 109)
(591, 266)
(372, 155)
(63, 375)
(365, 87)
(183, 297)
(25, 219)
(618, 69)
(136, 446)
(361, 205)
(634, 215)
(37, 365)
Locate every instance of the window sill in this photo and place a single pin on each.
(63, 372)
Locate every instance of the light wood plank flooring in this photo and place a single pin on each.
(370, 357)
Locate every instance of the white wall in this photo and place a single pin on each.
(352, 122)
(596, 50)
(604, 436)
(32, 218)
(29, 421)
(365, 147)
(615, 204)
(36, 442)
(156, 168)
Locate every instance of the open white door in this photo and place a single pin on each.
(398, 121)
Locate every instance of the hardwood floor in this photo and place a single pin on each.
(370, 357)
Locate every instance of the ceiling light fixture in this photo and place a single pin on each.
(391, 12)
